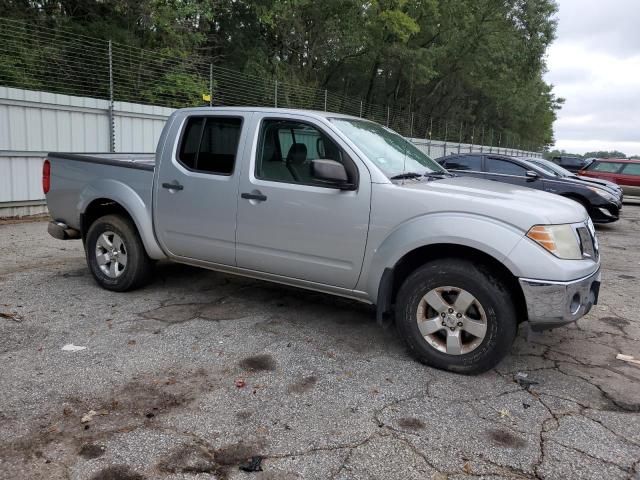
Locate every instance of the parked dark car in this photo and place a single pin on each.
(602, 205)
(564, 173)
(625, 172)
(573, 164)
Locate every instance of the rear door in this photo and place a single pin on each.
(197, 189)
(292, 225)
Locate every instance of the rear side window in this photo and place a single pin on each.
(504, 167)
(607, 167)
(210, 144)
(464, 162)
(631, 169)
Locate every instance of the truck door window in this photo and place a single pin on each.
(504, 167)
(210, 144)
(286, 149)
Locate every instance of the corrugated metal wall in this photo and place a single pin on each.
(34, 123)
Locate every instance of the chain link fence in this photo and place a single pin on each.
(36, 57)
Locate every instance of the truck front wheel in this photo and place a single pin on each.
(456, 315)
(115, 254)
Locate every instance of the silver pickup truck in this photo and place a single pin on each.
(340, 205)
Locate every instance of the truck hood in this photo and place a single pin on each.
(519, 206)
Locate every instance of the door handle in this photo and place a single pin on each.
(173, 186)
(254, 196)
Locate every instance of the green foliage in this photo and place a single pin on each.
(475, 62)
(605, 154)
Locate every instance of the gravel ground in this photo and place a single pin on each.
(195, 374)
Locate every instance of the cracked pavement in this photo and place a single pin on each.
(200, 371)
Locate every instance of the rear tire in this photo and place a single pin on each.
(456, 315)
(115, 254)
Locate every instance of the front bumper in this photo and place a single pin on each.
(606, 212)
(553, 304)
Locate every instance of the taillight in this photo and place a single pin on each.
(46, 176)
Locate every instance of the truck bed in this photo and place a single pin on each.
(144, 161)
(75, 176)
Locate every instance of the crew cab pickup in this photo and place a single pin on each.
(339, 205)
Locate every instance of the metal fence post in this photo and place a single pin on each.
(325, 99)
(112, 125)
(275, 95)
(482, 139)
(473, 134)
(360, 108)
(211, 84)
(430, 132)
(411, 127)
(446, 125)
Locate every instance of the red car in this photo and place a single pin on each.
(625, 173)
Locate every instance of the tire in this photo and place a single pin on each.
(131, 268)
(451, 280)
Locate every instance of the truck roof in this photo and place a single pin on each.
(317, 113)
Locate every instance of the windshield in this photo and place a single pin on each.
(389, 151)
(557, 169)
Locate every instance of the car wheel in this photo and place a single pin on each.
(456, 315)
(115, 254)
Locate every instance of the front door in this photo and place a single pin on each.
(197, 189)
(503, 170)
(289, 224)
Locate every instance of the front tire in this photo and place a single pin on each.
(115, 254)
(456, 315)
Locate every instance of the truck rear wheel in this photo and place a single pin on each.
(115, 254)
(456, 316)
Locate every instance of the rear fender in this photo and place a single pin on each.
(129, 199)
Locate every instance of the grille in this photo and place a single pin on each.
(587, 243)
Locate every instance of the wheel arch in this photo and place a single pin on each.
(111, 204)
(393, 277)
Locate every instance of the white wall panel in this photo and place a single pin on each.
(34, 123)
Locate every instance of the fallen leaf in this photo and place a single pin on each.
(11, 316)
(240, 383)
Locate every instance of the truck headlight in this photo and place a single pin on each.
(560, 240)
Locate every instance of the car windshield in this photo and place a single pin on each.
(557, 169)
(394, 155)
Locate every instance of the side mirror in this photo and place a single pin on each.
(332, 172)
(531, 175)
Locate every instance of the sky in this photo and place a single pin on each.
(594, 64)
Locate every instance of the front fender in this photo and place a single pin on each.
(488, 235)
(132, 202)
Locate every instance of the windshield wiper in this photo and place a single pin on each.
(439, 174)
(404, 175)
